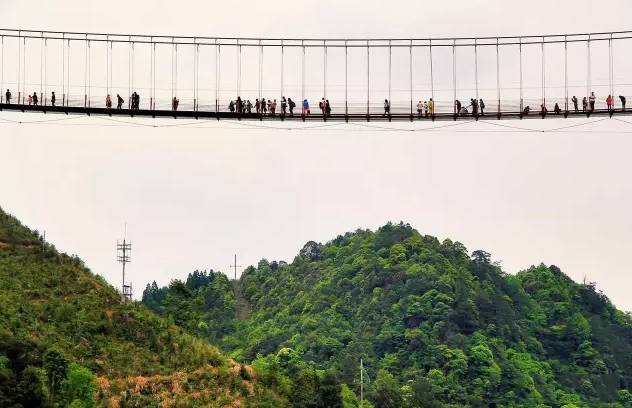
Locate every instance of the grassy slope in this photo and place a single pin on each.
(52, 301)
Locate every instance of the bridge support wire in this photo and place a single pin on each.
(346, 79)
(368, 79)
(588, 73)
(476, 68)
(217, 77)
(611, 66)
(45, 71)
(197, 77)
(90, 73)
(42, 96)
(152, 50)
(454, 77)
(238, 68)
(303, 78)
(67, 95)
(431, 79)
(260, 76)
(19, 63)
(282, 69)
(24, 90)
(410, 69)
(390, 74)
(543, 76)
(261, 99)
(129, 74)
(324, 69)
(497, 76)
(521, 90)
(2, 70)
(85, 76)
(566, 74)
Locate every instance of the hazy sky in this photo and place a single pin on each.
(194, 195)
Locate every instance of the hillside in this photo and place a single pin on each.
(67, 339)
(434, 326)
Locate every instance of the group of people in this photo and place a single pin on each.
(119, 101)
(424, 108)
(476, 107)
(31, 99)
(588, 104)
(262, 107)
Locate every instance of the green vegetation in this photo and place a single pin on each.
(435, 327)
(66, 339)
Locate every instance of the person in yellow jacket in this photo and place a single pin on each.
(431, 107)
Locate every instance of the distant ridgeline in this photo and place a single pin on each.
(434, 326)
(66, 339)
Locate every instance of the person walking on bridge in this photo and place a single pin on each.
(482, 106)
(387, 107)
(457, 107)
(591, 100)
(431, 107)
(420, 109)
(283, 106)
(474, 104)
(306, 107)
(584, 104)
(53, 98)
(119, 101)
(291, 105)
(327, 108)
(35, 100)
(108, 101)
(610, 103)
(622, 102)
(574, 99)
(8, 97)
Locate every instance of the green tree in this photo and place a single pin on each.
(81, 385)
(330, 391)
(625, 398)
(385, 391)
(32, 388)
(349, 399)
(56, 368)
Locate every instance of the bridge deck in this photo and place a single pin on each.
(297, 117)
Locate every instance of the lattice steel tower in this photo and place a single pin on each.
(123, 251)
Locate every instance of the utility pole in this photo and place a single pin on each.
(123, 256)
(361, 381)
(235, 266)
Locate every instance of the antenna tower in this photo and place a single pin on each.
(235, 266)
(123, 255)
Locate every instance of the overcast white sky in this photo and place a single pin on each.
(193, 197)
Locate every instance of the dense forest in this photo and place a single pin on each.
(434, 326)
(67, 340)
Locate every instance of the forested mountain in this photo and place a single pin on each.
(66, 339)
(434, 326)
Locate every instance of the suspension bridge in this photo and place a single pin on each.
(415, 79)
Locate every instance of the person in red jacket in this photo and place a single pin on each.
(609, 103)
